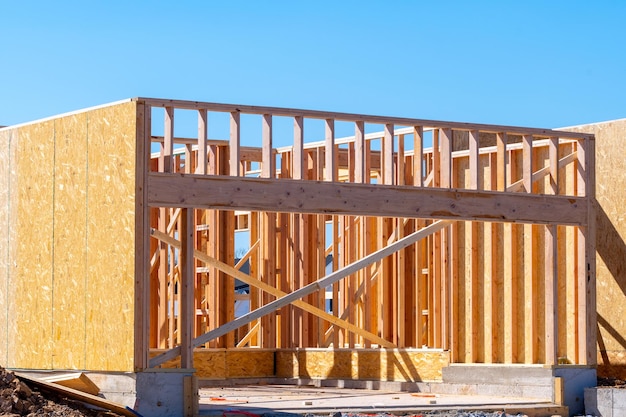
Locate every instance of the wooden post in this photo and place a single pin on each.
(234, 148)
(387, 156)
(587, 316)
(551, 264)
(446, 158)
(298, 148)
(142, 240)
(527, 162)
(187, 305)
(267, 165)
(502, 161)
(418, 156)
(201, 166)
(330, 171)
(168, 141)
(359, 152)
(473, 153)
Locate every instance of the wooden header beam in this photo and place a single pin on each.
(293, 196)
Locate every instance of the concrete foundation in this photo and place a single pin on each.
(605, 402)
(152, 393)
(561, 385)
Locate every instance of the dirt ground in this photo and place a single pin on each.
(18, 399)
(611, 382)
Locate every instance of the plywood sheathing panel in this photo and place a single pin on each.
(249, 363)
(110, 237)
(70, 232)
(228, 363)
(6, 216)
(33, 279)
(383, 365)
(610, 244)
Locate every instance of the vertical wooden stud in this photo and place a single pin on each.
(502, 161)
(473, 158)
(234, 145)
(201, 166)
(418, 156)
(586, 268)
(142, 239)
(267, 163)
(527, 162)
(551, 265)
(387, 157)
(446, 157)
(298, 148)
(359, 152)
(330, 171)
(186, 283)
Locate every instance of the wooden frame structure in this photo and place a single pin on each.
(405, 243)
(473, 239)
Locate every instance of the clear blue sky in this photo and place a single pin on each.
(535, 63)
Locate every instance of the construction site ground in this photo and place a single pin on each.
(270, 400)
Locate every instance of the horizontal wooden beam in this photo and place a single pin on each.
(351, 117)
(316, 197)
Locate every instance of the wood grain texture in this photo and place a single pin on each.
(179, 190)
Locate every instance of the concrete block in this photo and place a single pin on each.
(160, 394)
(497, 374)
(599, 402)
(619, 402)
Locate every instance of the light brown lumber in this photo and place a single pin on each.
(267, 164)
(473, 160)
(502, 161)
(330, 166)
(359, 152)
(234, 143)
(543, 172)
(418, 156)
(168, 144)
(142, 240)
(445, 175)
(75, 380)
(527, 162)
(351, 117)
(298, 159)
(388, 155)
(187, 286)
(201, 166)
(318, 285)
(586, 268)
(77, 395)
(285, 195)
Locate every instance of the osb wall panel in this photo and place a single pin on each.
(70, 234)
(228, 363)
(610, 244)
(5, 221)
(376, 364)
(109, 284)
(287, 364)
(32, 283)
(68, 187)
